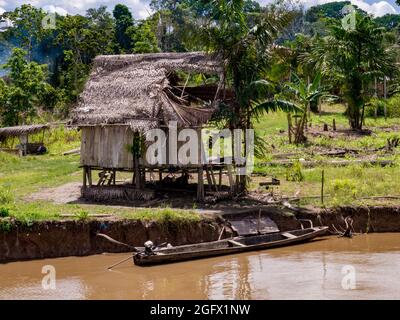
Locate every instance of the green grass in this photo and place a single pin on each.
(27, 212)
(21, 176)
(273, 128)
(29, 174)
(345, 185)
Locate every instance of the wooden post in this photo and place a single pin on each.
(24, 144)
(289, 119)
(385, 96)
(209, 182)
(114, 176)
(322, 185)
(308, 104)
(160, 174)
(137, 173)
(376, 95)
(143, 177)
(89, 174)
(334, 124)
(230, 177)
(84, 178)
(214, 182)
(220, 177)
(200, 185)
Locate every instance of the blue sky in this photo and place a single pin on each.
(140, 8)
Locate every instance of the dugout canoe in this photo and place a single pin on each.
(228, 246)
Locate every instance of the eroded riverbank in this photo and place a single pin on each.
(308, 271)
(50, 239)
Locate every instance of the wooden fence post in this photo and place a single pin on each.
(322, 185)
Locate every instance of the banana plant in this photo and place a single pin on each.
(303, 94)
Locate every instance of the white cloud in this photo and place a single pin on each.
(2, 10)
(54, 9)
(139, 8)
(377, 9)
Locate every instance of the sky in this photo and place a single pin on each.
(140, 8)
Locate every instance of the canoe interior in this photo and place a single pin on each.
(227, 243)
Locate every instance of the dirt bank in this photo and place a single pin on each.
(366, 219)
(51, 239)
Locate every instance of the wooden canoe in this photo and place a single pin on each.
(228, 246)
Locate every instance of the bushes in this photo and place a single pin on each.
(5, 195)
(392, 107)
(4, 212)
(344, 191)
(294, 173)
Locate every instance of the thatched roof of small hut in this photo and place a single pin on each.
(134, 90)
(22, 130)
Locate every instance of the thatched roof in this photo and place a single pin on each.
(22, 130)
(135, 90)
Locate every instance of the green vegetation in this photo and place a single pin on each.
(20, 177)
(27, 89)
(277, 59)
(344, 185)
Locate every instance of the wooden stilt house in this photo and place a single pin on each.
(125, 96)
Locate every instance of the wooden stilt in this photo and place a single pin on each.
(200, 185)
(220, 178)
(209, 182)
(237, 183)
(143, 177)
(230, 177)
(213, 179)
(84, 178)
(137, 174)
(114, 176)
(89, 174)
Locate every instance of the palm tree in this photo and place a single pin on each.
(354, 57)
(244, 43)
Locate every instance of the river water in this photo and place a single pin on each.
(365, 267)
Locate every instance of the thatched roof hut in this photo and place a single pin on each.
(135, 90)
(22, 132)
(19, 131)
(125, 96)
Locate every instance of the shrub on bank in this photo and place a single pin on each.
(5, 195)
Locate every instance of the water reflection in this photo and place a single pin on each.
(70, 289)
(309, 271)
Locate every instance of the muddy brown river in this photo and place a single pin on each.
(365, 267)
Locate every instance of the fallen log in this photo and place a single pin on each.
(73, 151)
(337, 163)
